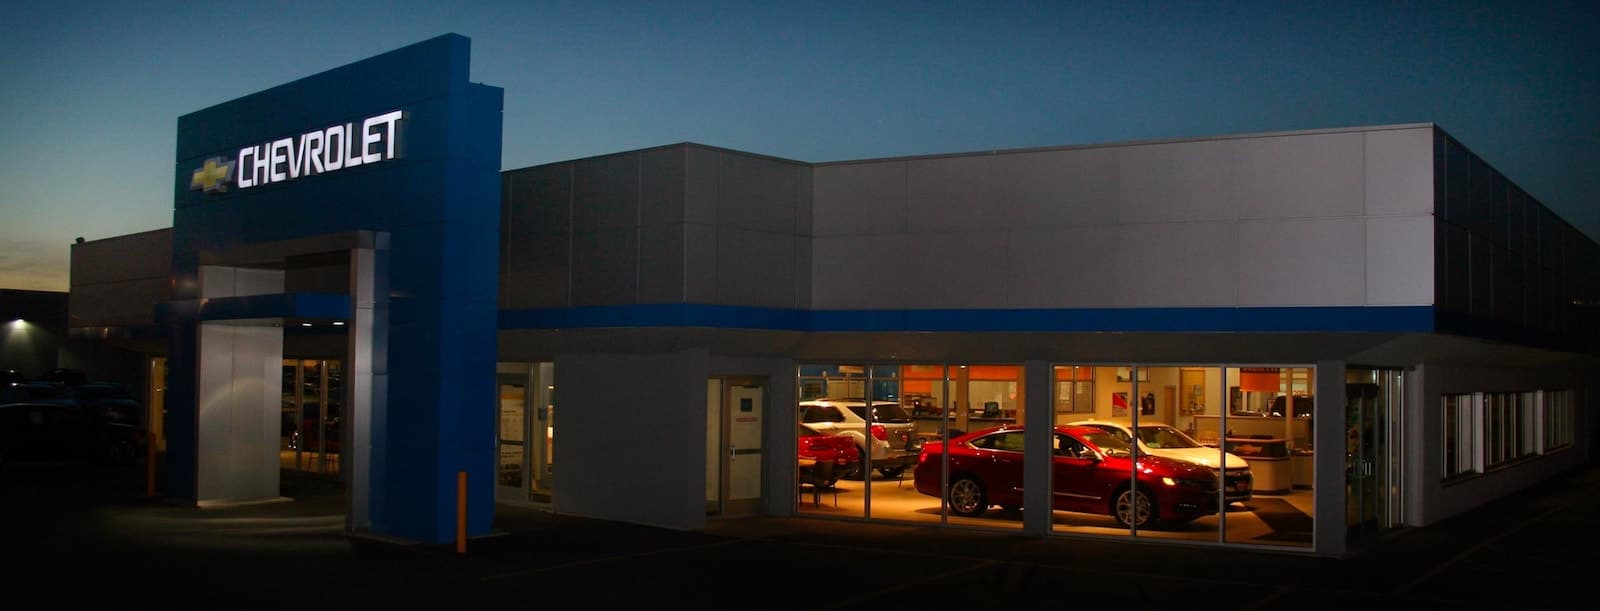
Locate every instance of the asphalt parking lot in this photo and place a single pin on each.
(86, 535)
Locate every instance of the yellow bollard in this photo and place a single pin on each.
(461, 512)
(150, 463)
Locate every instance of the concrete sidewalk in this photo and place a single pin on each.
(85, 535)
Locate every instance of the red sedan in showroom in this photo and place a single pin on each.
(1092, 475)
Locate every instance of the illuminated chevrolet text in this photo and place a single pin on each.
(326, 150)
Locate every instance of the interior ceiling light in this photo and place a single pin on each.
(305, 324)
(338, 323)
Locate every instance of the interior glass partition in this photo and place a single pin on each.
(311, 415)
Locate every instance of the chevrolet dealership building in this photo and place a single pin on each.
(1385, 330)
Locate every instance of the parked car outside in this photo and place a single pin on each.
(69, 377)
(56, 432)
(891, 440)
(1166, 440)
(112, 400)
(37, 392)
(1091, 474)
(825, 458)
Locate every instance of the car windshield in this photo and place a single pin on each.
(1118, 431)
(1163, 436)
(820, 413)
(1111, 444)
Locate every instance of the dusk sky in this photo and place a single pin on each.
(92, 91)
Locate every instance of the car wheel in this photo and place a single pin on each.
(892, 471)
(1133, 508)
(967, 497)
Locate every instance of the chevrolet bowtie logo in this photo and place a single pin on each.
(213, 176)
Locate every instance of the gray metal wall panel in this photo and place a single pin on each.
(700, 263)
(755, 193)
(118, 281)
(1399, 169)
(953, 194)
(115, 304)
(538, 273)
(664, 406)
(661, 263)
(605, 193)
(804, 208)
(536, 224)
(1073, 267)
(1166, 217)
(1185, 181)
(1290, 177)
(860, 272)
(605, 267)
(1508, 293)
(702, 167)
(1481, 274)
(1179, 265)
(755, 268)
(962, 273)
(139, 255)
(860, 199)
(662, 195)
(804, 278)
(1400, 260)
(1062, 188)
(541, 201)
(1302, 262)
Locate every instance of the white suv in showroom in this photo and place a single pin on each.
(1164, 440)
(891, 441)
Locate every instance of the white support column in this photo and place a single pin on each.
(1039, 439)
(366, 378)
(238, 375)
(1329, 466)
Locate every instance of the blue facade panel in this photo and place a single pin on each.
(436, 199)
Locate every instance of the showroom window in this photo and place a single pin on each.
(1503, 424)
(1558, 418)
(1529, 441)
(1487, 430)
(1461, 435)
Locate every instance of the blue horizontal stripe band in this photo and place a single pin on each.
(1393, 319)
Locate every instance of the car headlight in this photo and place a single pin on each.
(1203, 484)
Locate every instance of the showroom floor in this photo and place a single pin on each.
(1280, 519)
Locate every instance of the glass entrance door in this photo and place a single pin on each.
(311, 415)
(1363, 469)
(542, 433)
(525, 431)
(512, 469)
